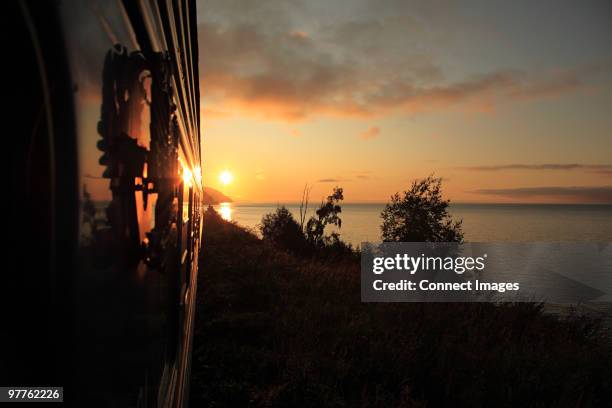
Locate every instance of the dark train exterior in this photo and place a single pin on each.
(105, 194)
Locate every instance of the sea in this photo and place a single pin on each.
(481, 222)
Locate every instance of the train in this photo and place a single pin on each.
(105, 196)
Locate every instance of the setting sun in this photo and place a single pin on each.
(226, 177)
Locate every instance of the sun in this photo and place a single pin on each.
(226, 177)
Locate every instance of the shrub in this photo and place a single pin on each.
(283, 231)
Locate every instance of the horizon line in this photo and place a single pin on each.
(277, 202)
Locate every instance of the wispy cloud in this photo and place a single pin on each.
(560, 82)
(595, 168)
(331, 180)
(600, 194)
(371, 133)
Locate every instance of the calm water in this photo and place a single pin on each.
(481, 222)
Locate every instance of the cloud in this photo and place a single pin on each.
(602, 194)
(371, 133)
(330, 180)
(548, 88)
(594, 168)
(299, 35)
(247, 69)
(559, 82)
(267, 61)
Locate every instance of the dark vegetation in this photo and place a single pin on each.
(420, 215)
(279, 326)
(309, 238)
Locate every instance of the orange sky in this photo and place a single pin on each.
(507, 102)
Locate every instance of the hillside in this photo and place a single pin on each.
(276, 330)
(213, 197)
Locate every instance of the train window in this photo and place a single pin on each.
(186, 230)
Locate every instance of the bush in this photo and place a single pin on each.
(283, 231)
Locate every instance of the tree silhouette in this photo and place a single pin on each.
(420, 215)
(327, 214)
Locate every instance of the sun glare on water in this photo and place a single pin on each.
(225, 209)
(226, 177)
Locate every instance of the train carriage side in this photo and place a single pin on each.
(120, 95)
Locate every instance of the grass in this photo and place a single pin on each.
(275, 330)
